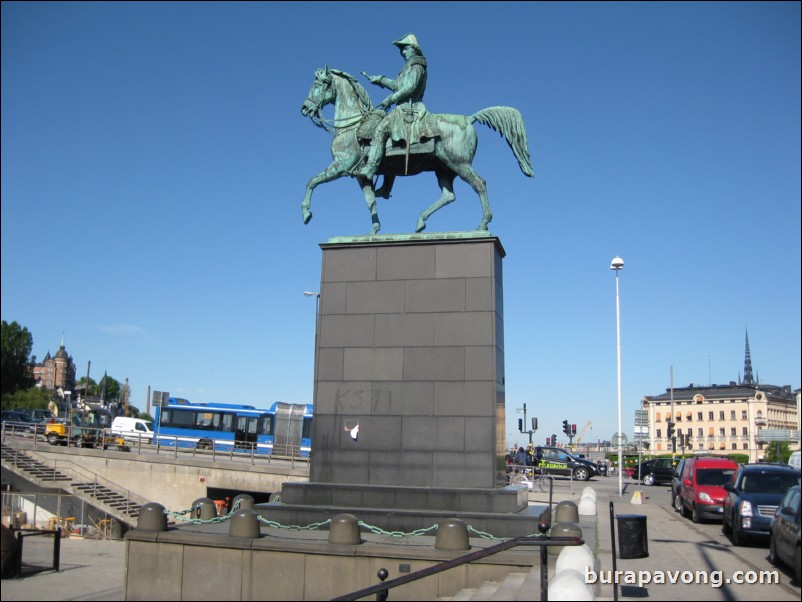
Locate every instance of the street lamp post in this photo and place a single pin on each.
(616, 264)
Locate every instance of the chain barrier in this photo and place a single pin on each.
(275, 525)
(380, 531)
(313, 526)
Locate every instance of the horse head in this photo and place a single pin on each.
(321, 94)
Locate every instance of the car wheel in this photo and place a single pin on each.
(581, 474)
(677, 502)
(797, 567)
(695, 515)
(737, 537)
(773, 559)
(684, 510)
(52, 439)
(726, 528)
(648, 479)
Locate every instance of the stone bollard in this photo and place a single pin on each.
(587, 506)
(589, 491)
(245, 501)
(569, 584)
(344, 530)
(563, 530)
(566, 512)
(244, 523)
(452, 534)
(152, 517)
(206, 511)
(575, 557)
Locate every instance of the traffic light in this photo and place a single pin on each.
(553, 439)
(520, 425)
(548, 440)
(670, 432)
(573, 429)
(566, 428)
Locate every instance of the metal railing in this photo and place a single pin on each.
(382, 589)
(142, 445)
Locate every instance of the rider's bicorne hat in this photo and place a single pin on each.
(407, 40)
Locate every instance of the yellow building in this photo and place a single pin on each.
(720, 419)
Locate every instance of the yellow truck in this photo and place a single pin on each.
(81, 429)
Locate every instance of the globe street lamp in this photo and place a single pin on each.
(616, 264)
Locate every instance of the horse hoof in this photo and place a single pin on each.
(307, 216)
(421, 226)
(482, 228)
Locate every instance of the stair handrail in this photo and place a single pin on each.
(382, 589)
(86, 476)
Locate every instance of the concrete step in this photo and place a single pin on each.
(509, 588)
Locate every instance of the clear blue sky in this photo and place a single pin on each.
(154, 159)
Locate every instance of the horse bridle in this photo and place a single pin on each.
(326, 77)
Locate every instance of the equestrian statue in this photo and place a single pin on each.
(406, 141)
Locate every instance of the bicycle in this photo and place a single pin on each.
(528, 478)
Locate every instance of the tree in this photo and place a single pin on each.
(777, 452)
(16, 343)
(35, 398)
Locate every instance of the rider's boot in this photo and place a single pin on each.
(374, 158)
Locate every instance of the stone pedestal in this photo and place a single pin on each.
(409, 379)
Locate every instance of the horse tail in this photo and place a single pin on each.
(509, 123)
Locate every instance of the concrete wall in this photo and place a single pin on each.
(173, 482)
(178, 566)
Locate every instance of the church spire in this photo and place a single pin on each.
(747, 364)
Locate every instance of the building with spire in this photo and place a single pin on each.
(741, 416)
(56, 372)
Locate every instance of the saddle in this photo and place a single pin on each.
(409, 125)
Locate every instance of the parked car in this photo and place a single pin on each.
(557, 461)
(17, 422)
(784, 533)
(703, 491)
(37, 415)
(654, 471)
(753, 495)
(676, 486)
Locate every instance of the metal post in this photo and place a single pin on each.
(612, 537)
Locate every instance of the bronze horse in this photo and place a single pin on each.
(452, 155)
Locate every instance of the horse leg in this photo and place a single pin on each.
(466, 172)
(370, 200)
(445, 179)
(332, 172)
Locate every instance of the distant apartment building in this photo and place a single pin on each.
(741, 417)
(57, 372)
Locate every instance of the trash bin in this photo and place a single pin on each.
(633, 540)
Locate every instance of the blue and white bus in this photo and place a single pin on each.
(284, 429)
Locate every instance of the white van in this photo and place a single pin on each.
(133, 429)
(794, 460)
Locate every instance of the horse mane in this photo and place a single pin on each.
(361, 93)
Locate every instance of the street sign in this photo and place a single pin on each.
(619, 439)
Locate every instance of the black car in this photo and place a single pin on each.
(753, 496)
(557, 461)
(676, 486)
(784, 533)
(654, 471)
(17, 422)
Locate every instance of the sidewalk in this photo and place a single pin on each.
(90, 569)
(673, 546)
